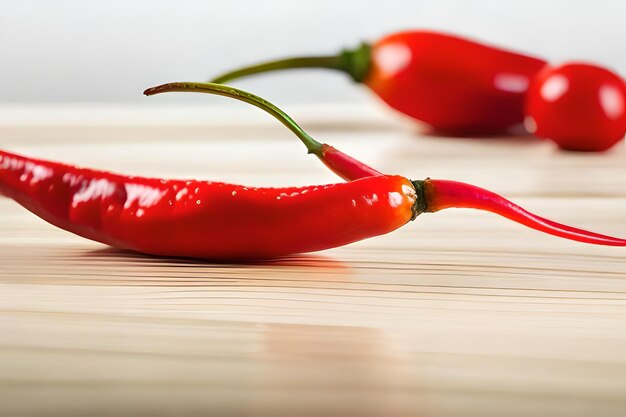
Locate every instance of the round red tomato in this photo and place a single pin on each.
(579, 106)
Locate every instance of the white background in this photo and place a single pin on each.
(109, 51)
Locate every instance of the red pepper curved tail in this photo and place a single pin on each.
(442, 194)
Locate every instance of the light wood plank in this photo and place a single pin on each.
(457, 314)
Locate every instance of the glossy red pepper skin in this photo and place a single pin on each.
(581, 107)
(453, 84)
(204, 219)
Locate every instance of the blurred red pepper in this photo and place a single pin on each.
(581, 107)
(453, 84)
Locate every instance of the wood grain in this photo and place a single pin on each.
(457, 314)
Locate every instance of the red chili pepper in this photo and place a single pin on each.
(231, 222)
(205, 219)
(581, 107)
(453, 84)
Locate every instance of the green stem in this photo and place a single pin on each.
(354, 62)
(330, 62)
(311, 144)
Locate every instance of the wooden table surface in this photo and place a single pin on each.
(457, 314)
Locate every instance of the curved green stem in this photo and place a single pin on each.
(311, 144)
(340, 163)
(353, 62)
(330, 62)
